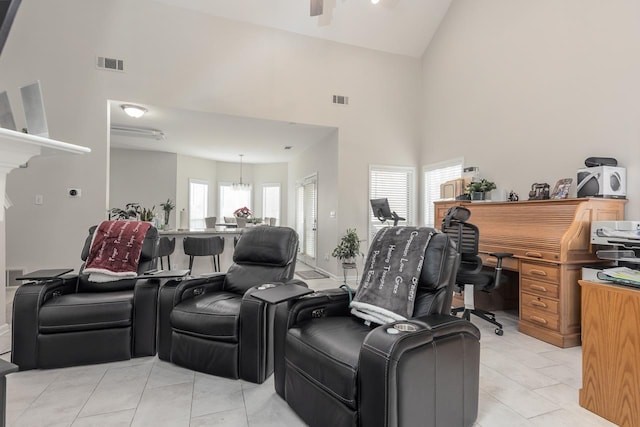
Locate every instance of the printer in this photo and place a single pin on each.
(618, 242)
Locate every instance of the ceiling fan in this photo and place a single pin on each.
(316, 7)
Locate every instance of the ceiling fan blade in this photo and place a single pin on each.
(316, 7)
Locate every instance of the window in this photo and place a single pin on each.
(198, 202)
(232, 199)
(271, 201)
(434, 175)
(397, 184)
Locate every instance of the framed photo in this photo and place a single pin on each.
(561, 190)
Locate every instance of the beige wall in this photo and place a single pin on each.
(144, 177)
(321, 159)
(526, 90)
(178, 58)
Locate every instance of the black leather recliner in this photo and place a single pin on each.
(333, 370)
(71, 321)
(212, 324)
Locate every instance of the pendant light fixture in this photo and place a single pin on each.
(240, 185)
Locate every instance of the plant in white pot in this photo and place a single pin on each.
(348, 248)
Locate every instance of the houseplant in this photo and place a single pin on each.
(132, 211)
(478, 189)
(348, 248)
(167, 207)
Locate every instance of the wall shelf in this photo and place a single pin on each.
(16, 148)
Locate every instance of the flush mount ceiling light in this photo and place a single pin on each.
(375, 1)
(240, 185)
(134, 111)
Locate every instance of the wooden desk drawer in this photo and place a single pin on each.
(540, 318)
(509, 263)
(539, 288)
(540, 271)
(538, 303)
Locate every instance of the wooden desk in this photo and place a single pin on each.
(610, 352)
(550, 240)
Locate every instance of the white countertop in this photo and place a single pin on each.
(200, 231)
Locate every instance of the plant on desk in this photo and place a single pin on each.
(478, 189)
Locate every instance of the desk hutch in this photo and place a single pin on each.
(550, 240)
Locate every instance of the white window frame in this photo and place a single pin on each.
(407, 211)
(221, 205)
(264, 201)
(431, 191)
(193, 221)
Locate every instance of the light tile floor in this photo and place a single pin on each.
(523, 382)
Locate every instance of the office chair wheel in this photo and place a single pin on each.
(499, 331)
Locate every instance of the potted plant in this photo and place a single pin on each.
(132, 211)
(348, 248)
(167, 207)
(478, 189)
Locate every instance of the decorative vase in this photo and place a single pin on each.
(477, 195)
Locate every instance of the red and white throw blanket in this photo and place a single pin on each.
(115, 250)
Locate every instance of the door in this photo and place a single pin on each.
(307, 218)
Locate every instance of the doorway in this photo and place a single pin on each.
(307, 218)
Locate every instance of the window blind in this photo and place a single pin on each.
(397, 185)
(434, 175)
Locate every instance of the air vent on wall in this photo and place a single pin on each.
(111, 64)
(340, 99)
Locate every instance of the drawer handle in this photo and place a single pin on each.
(533, 254)
(538, 303)
(538, 319)
(538, 288)
(538, 272)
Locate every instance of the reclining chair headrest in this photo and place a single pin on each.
(149, 246)
(268, 246)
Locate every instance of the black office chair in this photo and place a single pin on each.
(204, 246)
(470, 273)
(166, 247)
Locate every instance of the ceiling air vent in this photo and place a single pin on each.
(341, 100)
(111, 64)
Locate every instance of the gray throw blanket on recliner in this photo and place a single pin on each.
(390, 279)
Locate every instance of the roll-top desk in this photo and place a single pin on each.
(550, 240)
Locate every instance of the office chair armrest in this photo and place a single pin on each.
(500, 255)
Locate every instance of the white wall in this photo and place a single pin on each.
(527, 90)
(182, 59)
(144, 177)
(320, 159)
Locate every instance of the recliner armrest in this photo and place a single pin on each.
(192, 287)
(26, 307)
(405, 366)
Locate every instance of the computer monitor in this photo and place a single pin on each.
(381, 209)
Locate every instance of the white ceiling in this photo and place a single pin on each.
(402, 27)
(217, 136)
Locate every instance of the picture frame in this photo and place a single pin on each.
(562, 188)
